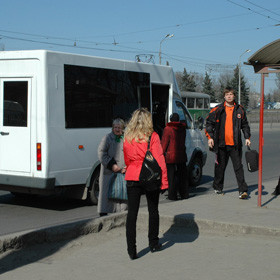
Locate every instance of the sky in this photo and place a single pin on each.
(208, 35)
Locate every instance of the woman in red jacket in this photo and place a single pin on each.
(136, 137)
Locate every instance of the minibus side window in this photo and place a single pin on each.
(183, 114)
(15, 103)
(95, 96)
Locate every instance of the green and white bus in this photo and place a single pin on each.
(198, 104)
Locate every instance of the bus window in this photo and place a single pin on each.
(199, 103)
(206, 104)
(190, 103)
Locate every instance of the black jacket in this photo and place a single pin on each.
(215, 125)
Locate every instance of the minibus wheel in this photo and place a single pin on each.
(195, 172)
(93, 190)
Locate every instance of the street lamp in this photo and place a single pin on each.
(166, 37)
(239, 78)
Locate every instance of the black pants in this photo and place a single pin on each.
(177, 180)
(221, 163)
(134, 192)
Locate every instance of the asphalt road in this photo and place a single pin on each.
(38, 211)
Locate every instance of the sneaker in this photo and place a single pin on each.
(219, 192)
(243, 195)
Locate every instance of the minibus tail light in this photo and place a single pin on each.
(39, 157)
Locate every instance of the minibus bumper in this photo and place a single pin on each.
(10, 181)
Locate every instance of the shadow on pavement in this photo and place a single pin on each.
(183, 230)
(35, 246)
(251, 190)
(53, 202)
(206, 179)
(24, 256)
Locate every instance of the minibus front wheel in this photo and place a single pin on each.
(195, 171)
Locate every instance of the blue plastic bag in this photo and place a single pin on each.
(117, 188)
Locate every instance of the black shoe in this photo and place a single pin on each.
(132, 253)
(276, 191)
(156, 248)
(103, 214)
(133, 256)
(172, 198)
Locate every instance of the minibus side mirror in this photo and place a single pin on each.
(199, 123)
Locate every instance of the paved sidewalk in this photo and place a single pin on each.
(205, 212)
(196, 233)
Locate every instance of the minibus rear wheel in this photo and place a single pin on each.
(93, 190)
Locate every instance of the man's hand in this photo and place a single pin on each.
(210, 143)
(247, 142)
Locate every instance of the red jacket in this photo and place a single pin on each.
(173, 142)
(134, 154)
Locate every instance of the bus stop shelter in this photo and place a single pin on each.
(265, 61)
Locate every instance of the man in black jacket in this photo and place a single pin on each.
(223, 130)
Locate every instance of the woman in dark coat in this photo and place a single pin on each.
(174, 149)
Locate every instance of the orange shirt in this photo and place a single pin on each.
(229, 126)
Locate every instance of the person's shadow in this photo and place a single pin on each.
(183, 230)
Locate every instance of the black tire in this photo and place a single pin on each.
(93, 190)
(195, 172)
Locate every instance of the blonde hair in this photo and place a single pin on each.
(140, 126)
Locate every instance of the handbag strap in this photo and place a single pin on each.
(149, 143)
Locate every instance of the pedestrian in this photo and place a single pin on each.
(277, 189)
(110, 154)
(137, 134)
(223, 130)
(174, 150)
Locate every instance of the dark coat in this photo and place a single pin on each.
(215, 125)
(173, 142)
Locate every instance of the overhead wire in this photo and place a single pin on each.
(261, 7)
(253, 11)
(129, 49)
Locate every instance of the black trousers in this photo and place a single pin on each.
(221, 163)
(134, 192)
(177, 180)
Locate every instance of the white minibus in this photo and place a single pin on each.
(56, 107)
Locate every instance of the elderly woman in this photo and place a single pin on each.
(110, 154)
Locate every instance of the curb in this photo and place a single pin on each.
(194, 226)
(167, 223)
(61, 232)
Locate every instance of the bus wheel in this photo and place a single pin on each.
(93, 190)
(195, 172)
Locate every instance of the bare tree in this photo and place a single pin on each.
(277, 80)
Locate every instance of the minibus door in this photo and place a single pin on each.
(15, 96)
